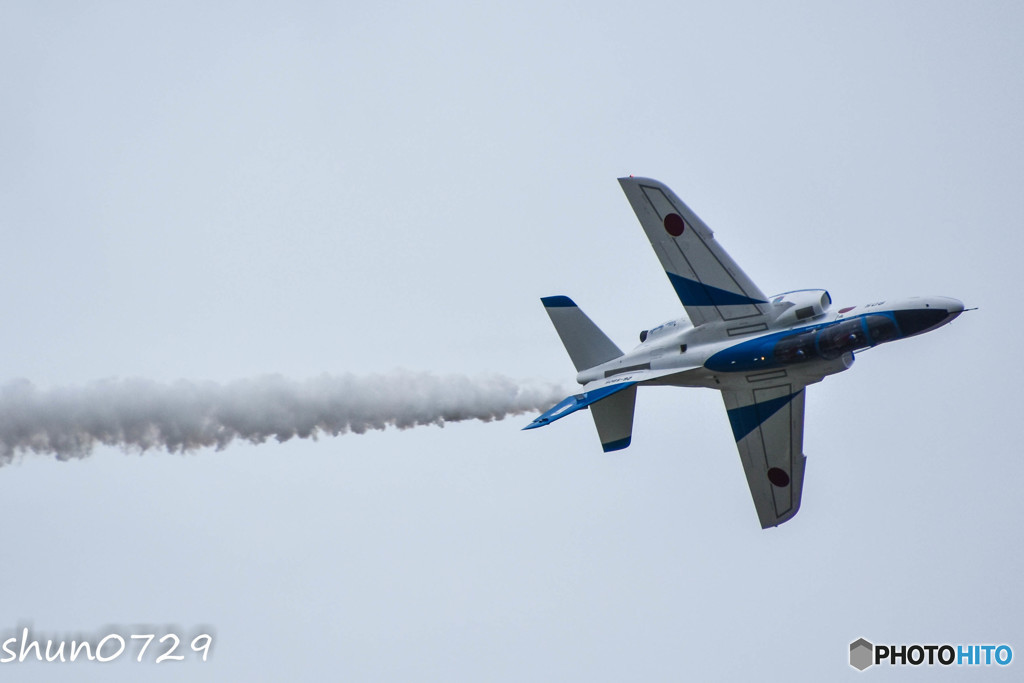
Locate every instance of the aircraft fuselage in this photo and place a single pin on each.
(820, 343)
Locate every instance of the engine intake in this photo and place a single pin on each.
(801, 305)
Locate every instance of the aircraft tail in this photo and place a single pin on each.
(613, 418)
(586, 343)
(589, 346)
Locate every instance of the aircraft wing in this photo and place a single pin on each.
(768, 425)
(708, 282)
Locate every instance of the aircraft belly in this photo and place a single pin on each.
(696, 377)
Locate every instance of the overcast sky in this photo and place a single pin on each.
(218, 191)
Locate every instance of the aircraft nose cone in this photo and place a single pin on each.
(937, 312)
(954, 307)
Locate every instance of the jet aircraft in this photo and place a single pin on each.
(760, 352)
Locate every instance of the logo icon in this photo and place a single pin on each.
(861, 654)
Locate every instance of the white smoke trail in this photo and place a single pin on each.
(138, 414)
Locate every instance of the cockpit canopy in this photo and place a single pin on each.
(831, 342)
(800, 305)
(672, 326)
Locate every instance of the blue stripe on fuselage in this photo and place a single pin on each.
(759, 353)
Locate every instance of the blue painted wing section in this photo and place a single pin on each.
(768, 423)
(709, 283)
(748, 418)
(693, 293)
(578, 402)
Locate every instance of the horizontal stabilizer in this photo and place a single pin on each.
(578, 402)
(603, 388)
(614, 419)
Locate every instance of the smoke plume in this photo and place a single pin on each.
(137, 414)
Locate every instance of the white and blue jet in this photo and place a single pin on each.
(759, 351)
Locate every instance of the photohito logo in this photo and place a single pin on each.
(863, 654)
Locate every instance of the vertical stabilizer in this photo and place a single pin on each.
(586, 343)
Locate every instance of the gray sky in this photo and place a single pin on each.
(220, 192)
